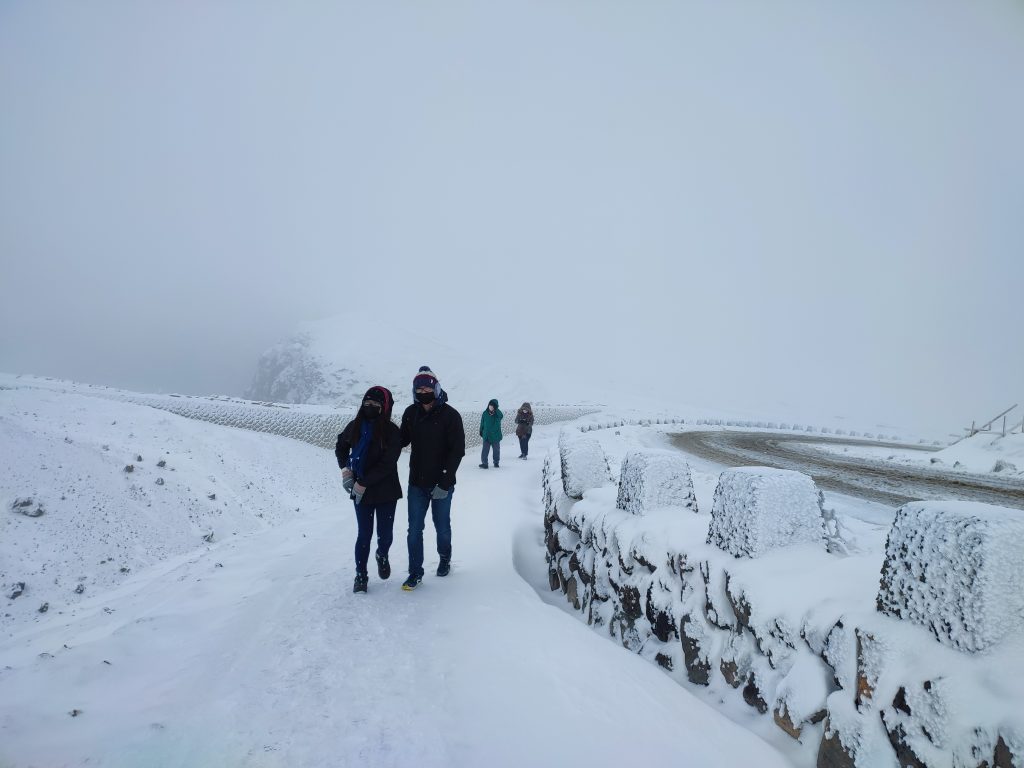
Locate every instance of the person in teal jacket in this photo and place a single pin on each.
(490, 431)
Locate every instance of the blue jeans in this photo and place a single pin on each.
(385, 513)
(497, 452)
(441, 512)
(524, 445)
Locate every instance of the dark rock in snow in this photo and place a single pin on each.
(28, 507)
(570, 592)
(80, 589)
(906, 756)
(129, 468)
(16, 591)
(161, 463)
(752, 695)
(832, 753)
(630, 601)
(1003, 758)
(159, 481)
(44, 607)
(783, 720)
(698, 667)
(731, 672)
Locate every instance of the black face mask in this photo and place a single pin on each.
(370, 412)
(425, 397)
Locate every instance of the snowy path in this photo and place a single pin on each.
(255, 653)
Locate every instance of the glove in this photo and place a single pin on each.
(347, 480)
(438, 493)
(357, 492)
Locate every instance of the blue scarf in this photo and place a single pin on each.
(358, 458)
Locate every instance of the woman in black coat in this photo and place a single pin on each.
(524, 428)
(367, 452)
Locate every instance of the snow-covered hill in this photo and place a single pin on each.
(96, 490)
(334, 361)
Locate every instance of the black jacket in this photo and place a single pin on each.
(438, 444)
(380, 472)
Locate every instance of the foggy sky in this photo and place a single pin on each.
(742, 204)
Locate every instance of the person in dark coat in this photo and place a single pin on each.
(524, 428)
(490, 433)
(367, 451)
(434, 430)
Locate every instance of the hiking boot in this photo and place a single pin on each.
(483, 466)
(444, 566)
(360, 583)
(411, 583)
(383, 566)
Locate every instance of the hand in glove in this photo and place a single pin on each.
(357, 492)
(438, 493)
(347, 480)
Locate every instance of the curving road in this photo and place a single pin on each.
(891, 484)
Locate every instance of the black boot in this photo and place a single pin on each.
(360, 583)
(383, 566)
(444, 566)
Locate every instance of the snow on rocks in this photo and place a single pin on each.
(955, 568)
(584, 465)
(758, 509)
(655, 478)
(28, 507)
(794, 631)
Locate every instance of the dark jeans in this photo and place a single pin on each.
(441, 511)
(385, 513)
(497, 452)
(524, 445)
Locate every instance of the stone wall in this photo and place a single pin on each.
(775, 625)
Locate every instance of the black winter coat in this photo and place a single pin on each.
(438, 442)
(380, 472)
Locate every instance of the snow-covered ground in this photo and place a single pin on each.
(251, 650)
(198, 608)
(983, 453)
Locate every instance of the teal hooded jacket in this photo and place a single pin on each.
(490, 424)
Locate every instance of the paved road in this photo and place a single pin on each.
(874, 480)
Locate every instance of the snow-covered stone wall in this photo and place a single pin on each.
(794, 631)
(758, 509)
(652, 479)
(956, 568)
(584, 465)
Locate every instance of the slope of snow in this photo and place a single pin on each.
(102, 523)
(987, 453)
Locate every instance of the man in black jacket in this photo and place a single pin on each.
(434, 430)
